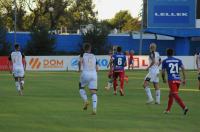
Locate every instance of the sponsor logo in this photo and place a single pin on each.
(166, 14)
(102, 62)
(74, 63)
(53, 63)
(35, 63)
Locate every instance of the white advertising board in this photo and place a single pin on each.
(46, 63)
(64, 63)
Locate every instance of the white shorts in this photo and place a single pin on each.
(90, 79)
(18, 72)
(153, 75)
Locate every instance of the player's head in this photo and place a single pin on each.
(119, 49)
(17, 47)
(152, 47)
(87, 47)
(170, 52)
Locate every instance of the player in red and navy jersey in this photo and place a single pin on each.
(118, 62)
(172, 66)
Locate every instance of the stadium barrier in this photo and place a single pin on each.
(70, 63)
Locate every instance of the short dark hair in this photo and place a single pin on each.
(170, 52)
(16, 46)
(119, 49)
(86, 46)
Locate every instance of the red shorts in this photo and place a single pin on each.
(119, 74)
(174, 86)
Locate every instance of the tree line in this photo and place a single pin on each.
(43, 16)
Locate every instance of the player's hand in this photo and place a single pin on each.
(184, 82)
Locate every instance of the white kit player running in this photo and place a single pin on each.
(17, 58)
(88, 64)
(153, 75)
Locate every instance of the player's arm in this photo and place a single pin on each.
(97, 65)
(163, 76)
(80, 62)
(197, 61)
(160, 62)
(110, 64)
(163, 72)
(24, 61)
(183, 73)
(152, 63)
(125, 63)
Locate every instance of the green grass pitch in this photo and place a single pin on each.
(52, 104)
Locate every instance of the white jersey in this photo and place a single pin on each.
(154, 56)
(16, 58)
(89, 62)
(198, 60)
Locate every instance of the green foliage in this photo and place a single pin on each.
(97, 37)
(41, 43)
(125, 22)
(81, 13)
(31, 13)
(5, 47)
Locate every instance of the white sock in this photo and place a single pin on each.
(158, 96)
(148, 92)
(83, 94)
(17, 86)
(22, 82)
(94, 101)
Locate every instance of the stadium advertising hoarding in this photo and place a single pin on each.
(46, 63)
(65, 63)
(4, 63)
(171, 13)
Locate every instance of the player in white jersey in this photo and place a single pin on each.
(153, 75)
(18, 62)
(88, 64)
(198, 66)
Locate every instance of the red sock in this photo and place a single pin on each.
(170, 102)
(115, 84)
(179, 101)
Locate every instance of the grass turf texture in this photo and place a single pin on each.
(52, 104)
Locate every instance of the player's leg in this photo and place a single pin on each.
(174, 88)
(155, 79)
(156, 86)
(17, 84)
(147, 89)
(121, 76)
(132, 64)
(129, 64)
(93, 89)
(82, 92)
(21, 74)
(22, 83)
(115, 76)
(170, 103)
(16, 74)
